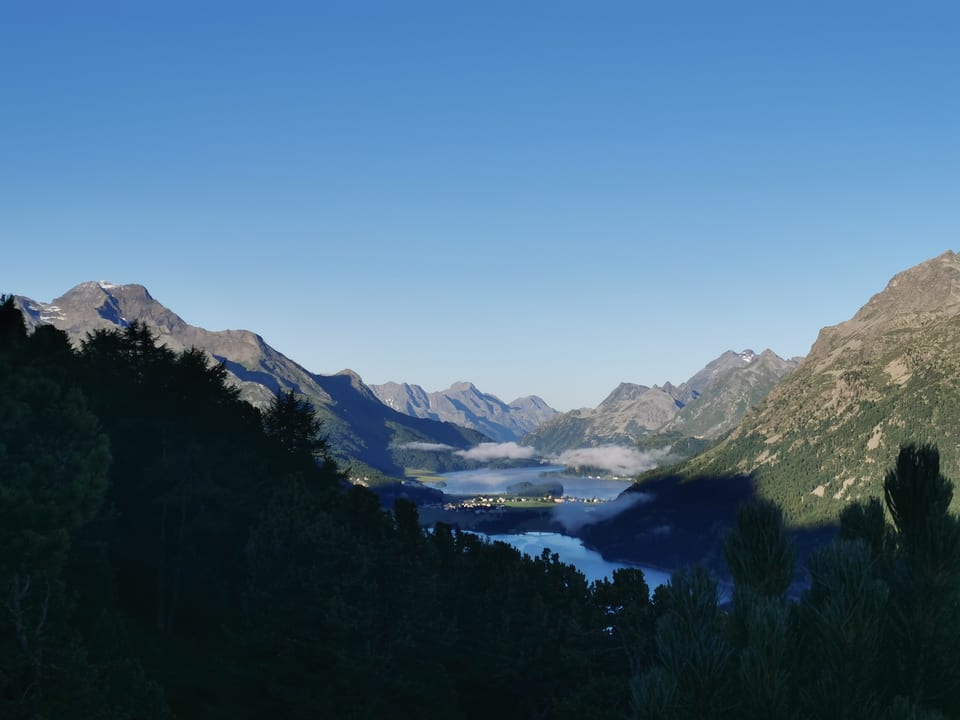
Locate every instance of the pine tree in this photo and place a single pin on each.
(841, 628)
(12, 328)
(762, 562)
(758, 552)
(53, 473)
(924, 623)
(293, 423)
(695, 679)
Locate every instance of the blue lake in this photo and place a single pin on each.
(492, 481)
(572, 551)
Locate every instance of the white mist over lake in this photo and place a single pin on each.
(493, 481)
(573, 515)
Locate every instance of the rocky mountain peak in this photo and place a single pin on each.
(930, 287)
(926, 293)
(625, 392)
(353, 380)
(99, 304)
(705, 406)
(97, 288)
(466, 405)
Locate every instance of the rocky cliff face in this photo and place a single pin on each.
(707, 405)
(464, 404)
(725, 396)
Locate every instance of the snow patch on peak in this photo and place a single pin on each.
(748, 356)
(48, 313)
(104, 285)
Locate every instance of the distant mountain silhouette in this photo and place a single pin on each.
(707, 405)
(464, 404)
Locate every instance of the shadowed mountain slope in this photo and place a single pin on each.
(363, 432)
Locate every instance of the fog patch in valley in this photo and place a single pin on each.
(573, 516)
(485, 452)
(427, 446)
(613, 459)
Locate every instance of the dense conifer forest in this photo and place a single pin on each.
(169, 551)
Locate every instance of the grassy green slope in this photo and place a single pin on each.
(826, 435)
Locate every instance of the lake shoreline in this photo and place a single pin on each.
(666, 524)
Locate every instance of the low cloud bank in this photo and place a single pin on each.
(574, 516)
(424, 446)
(498, 451)
(617, 460)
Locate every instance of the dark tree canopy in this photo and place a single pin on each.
(876, 634)
(758, 551)
(917, 495)
(12, 327)
(167, 549)
(293, 423)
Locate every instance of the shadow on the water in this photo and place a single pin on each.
(685, 522)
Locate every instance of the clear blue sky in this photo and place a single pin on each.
(540, 197)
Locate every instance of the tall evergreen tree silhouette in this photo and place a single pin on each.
(758, 552)
(292, 422)
(12, 328)
(924, 618)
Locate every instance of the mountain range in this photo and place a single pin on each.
(464, 404)
(371, 438)
(811, 434)
(381, 430)
(710, 403)
(827, 434)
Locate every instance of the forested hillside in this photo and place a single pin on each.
(167, 550)
(887, 376)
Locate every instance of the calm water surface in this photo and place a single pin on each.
(491, 481)
(572, 551)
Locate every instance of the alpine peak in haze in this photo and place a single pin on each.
(464, 404)
(363, 433)
(707, 405)
(888, 376)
